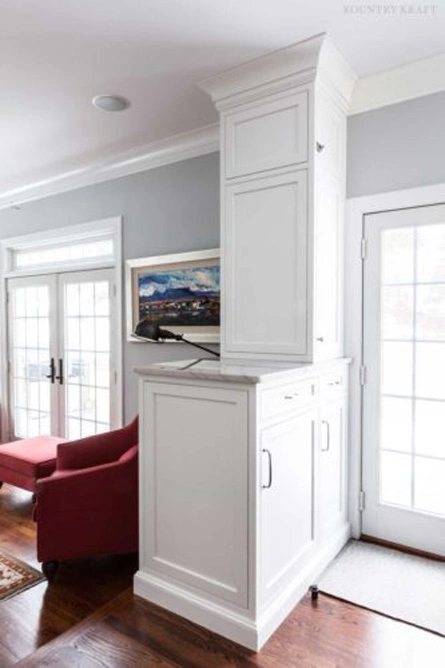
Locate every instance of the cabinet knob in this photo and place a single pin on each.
(320, 338)
(320, 147)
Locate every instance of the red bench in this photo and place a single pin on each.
(22, 463)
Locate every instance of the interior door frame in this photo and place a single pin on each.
(107, 227)
(356, 210)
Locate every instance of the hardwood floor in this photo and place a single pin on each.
(36, 616)
(90, 618)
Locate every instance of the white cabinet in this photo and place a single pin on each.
(283, 173)
(331, 478)
(282, 125)
(266, 265)
(242, 490)
(287, 451)
(193, 494)
(328, 268)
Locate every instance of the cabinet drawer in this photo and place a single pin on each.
(287, 398)
(333, 384)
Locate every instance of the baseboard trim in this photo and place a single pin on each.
(217, 618)
(238, 626)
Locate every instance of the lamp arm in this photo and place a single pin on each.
(197, 345)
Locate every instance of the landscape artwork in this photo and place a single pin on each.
(184, 297)
(180, 292)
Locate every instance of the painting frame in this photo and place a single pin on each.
(141, 267)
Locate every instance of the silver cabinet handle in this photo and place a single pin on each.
(320, 338)
(328, 436)
(335, 382)
(269, 484)
(319, 147)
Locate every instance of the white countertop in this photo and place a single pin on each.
(234, 371)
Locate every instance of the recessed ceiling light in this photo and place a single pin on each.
(111, 102)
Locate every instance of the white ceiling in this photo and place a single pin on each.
(55, 55)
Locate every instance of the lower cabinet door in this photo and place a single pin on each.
(331, 478)
(287, 452)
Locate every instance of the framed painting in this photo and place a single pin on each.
(180, 292)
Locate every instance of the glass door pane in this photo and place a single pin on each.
(412, 390)
(31, 347)
(86, 315)
(403, 451)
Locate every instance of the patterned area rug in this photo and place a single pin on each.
(16, 576)
(402, 586)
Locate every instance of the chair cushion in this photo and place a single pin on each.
(32, 457)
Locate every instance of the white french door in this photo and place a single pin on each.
(404, 393)
(62, 354)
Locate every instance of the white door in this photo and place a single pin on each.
(404, 393)
(62, 354)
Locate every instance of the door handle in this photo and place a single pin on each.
(52, 371)
(328, 436)
(269, 484)
(60, 376)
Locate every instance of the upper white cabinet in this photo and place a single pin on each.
(283, 126)
(283, 145)
(266, 275)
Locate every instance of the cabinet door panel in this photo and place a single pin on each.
(266, 136)
(287, 503)
(195, 488)
(331, 468)
(265, 266)
(328, 268)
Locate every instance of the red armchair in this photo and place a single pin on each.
(89, 505)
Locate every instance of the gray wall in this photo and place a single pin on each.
(165, 210)
(397, 147)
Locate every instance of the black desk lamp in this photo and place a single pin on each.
(150, 331)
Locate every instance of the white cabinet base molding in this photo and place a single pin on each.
(242, 489)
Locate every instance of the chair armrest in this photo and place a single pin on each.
(98, 449)
(86, 489)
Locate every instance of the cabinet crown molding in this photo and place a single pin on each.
(283, 69)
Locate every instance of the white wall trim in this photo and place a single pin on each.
(157, 154)
(356, 209)
(400, 84)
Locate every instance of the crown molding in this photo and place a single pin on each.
(282, 70)
(400, 84)
(274, 68)
(157, 154)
